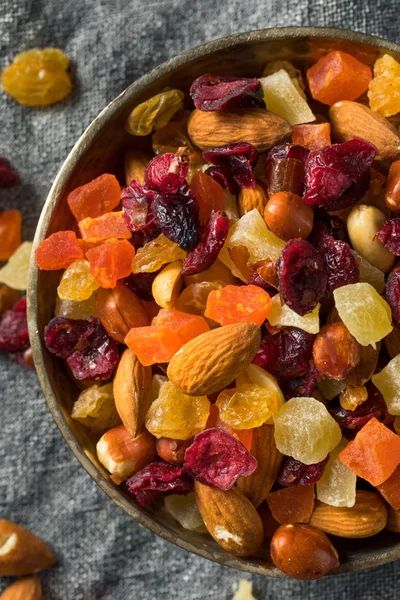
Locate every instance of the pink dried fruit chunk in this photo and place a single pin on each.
(214, 92)
(8, 177)
(282, 151)
(14, 328)
(340, 262)
(137, 208)
(389, 235)
(178, 217)
(392, 293)
(167, 172)
(236, 161)
(286, 354)
(85, 345)
(302, 276)
(338, 176)
(294, 472)
(218, 459)
(212, 239)
(159, 479)
(329, 226)
(354, 420)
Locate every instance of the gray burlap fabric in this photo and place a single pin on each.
(101, 552)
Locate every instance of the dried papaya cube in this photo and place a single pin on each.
(293, 504)
(58, 251)
(390, 489)
(185, 325)
(109, 225)
(238, 304)
(111, 261)
(314, 137)
(338, 76)
(208, 193)
(95, 198)
(374, 453)
(10, 233)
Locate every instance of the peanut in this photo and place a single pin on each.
(363, 224)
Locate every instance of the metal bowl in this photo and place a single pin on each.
(101, 149)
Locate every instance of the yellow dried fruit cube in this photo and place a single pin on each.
(337, 486)
(388, 383)
(282, 97)
(280, 315)
(15, 271)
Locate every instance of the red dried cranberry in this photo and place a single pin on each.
(256, 279)
(158, 479)
(218, 459)
(338, 176)
(167, 172)
(212, 239)
(137, 208)
(14, 328)
(325, 226)
(340, 262)
(141, 283)
(354, 420)
(236, 161)
(8, 177)
(221, 177)
(389, 235)
(392, 293)
(301, 386)
(286, 150)
(286, 354)
(178, 216)
(294, 472)
(215, 92)
(302, 276)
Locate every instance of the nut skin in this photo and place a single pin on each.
(392, 187)
(250, 198)
(363, 223)
(288, 216)
(303, 552)
(335, 351)
(172, 451)
(119, 309)
(22, 553)
(27, 588)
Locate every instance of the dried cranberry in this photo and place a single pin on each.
(236, 161)
(340, 263)
(218, 459)
(178, 216)
(286, 354)
(158, 479)
(338, 176)
(256, 279)
(392, 293)
(167, 172)
(302, 276)
(301, 386)
(325, 226)
(137, 208)
(212, 239)
(215, 92)
(14, 328)
(221, 177)
(286, 150)
(389, 235)
(294, 472)
(354, 420)
(141, 283)
(87, 348)
(8, 177)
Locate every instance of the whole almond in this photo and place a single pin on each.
(132, 392)
(135, 166)
(211, 361)
(257, 126)
(366, 518)
(257, 485)
(351, 119)
(119, 309)
(28, 588)
(230, 518)
(21, 552)
(252, 197)
(393, 521)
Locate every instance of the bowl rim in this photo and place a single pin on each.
(279, 33)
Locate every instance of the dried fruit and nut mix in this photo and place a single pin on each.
(225, 310)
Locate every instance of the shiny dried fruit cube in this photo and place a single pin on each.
(156, 253)
(109, 225)
(58, 251)
(15, 271)
(155, 112)
(193, 299)
(238, 304)
(208, 193)
(95, 408)
(314, 137)
(390, 489)
(93, 199)
(384, 89)
(281, 315)
(248, 406)
(337, 486)
(338, 76)
(111, 261)
(10, 233)
(77, 282)
(373, 454)
(292, 504)
(388, 383)
(282, 97)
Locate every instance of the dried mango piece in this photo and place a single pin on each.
(15, 272)
(384, 89)
(315, 137)
(109, 225)
(390, 489)
(388, 383)
(337, 486)
(281, 315)
(238, 304)
(208, 193)
(373, 454)
(292, 504)
(155, 112)
(156, 253)
(283, 98)
(10, 233)
(93, 199)
(58, 251)
(338, 76)
(111, 261)
(77, 282)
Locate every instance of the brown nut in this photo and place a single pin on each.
(250, 198)
(119, 309)
(28, 588)
(393, 520)
(21, 552)
(284, 175)
(392, 187)
(336, 352)
(303, 552)
(172, 451)
(288, 216)
(135, 166)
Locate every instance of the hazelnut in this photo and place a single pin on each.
(303, 552)
(172, 451)
(288, 216)
(392, 188)
(336, 352)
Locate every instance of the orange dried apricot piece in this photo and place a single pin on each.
(111, 261)
(10, 233)
(292, 504)
(109, 225)
(99, 196)
(238, 304)
(390, 489)
(209, 195)
(58, 251)
(315, 136)
(373, 454)
(338, 76)
(187, 326)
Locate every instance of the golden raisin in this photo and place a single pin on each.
(336, 352)
(352, 396)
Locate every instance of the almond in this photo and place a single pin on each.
(257, 126)
(135, 166)
(132, 392)
(212, 360)
(21, 552)
(249, 198)
(351, 119)
(119, 309)
(257, 485)
(366, 518)
(393, 521)
(28, 588)
(230, 518)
